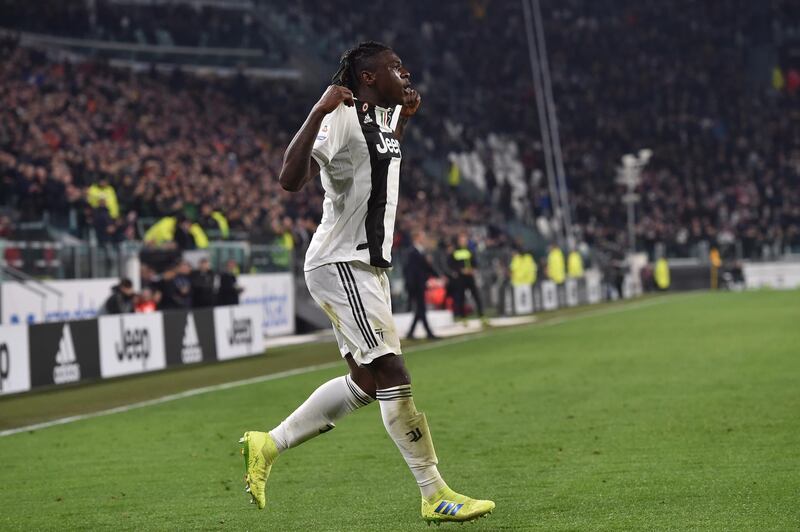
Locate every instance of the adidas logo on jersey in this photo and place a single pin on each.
(67, 368)
(191, 351)
(367, 119)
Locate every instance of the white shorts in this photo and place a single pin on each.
(356, 298)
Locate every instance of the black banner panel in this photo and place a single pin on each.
(189, 336)
(64, 352)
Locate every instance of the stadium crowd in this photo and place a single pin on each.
(686, 81)
(177, 287)
(170, 24)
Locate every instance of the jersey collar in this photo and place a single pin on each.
(380, 115)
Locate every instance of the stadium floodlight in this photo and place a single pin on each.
(630, 175)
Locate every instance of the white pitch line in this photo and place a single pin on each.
(308, 369)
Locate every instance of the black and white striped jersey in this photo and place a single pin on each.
(359, 159)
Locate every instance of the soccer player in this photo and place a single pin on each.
(351, 137)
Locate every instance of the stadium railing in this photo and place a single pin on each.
(199, 60)
(84, 260)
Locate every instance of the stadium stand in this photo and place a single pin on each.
(172, 142)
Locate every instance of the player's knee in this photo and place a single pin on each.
(364, 380)
(389, 370)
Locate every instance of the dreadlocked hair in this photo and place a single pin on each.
(352, 60)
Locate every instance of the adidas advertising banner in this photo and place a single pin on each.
(275, 293)
(131, 343)
(237, 330)
(189, 336)
(15, 375)
(77, 299)
(62, 353)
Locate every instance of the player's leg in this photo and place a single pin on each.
(327, 404)
(405, 425)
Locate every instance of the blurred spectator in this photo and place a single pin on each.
(146, 301)
(102, 194)
(121, 299)
(229, 290)
(203, 285)
(176, 287)
(463, 262)
(417, 271)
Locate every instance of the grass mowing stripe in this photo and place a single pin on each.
(168, 398)
(316, 367)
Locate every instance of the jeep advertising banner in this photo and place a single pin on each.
(131, 343)
(238, 331)
(65, 352)
(189, 336)
(15, 375)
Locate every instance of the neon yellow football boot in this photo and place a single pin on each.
(447, 505)
(259, 453)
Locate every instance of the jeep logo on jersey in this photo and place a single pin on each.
(191, 351)
(388, 144)
(241, 331)
(67, 368)
(5, 364)
(133, 344)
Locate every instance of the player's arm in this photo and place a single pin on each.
(298, 165)
(411, 102)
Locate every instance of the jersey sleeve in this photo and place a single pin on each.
(333, 135)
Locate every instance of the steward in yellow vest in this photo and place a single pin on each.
(575, 264)
(523, 269)
(555, 265)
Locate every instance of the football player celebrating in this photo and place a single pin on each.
(352, 139)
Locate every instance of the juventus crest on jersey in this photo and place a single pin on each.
(359, 159)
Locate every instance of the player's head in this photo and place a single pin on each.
(373, 70)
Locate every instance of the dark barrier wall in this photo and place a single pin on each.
(62, 353)
(690, 277)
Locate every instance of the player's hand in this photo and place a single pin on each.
(332, 97)
(411, 102)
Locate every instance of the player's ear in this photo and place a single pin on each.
(367, 78)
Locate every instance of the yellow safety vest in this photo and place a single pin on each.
(200, 237)
(465, 255)
(575, 264)
(661, 274)
(222, 222)
(454, 175)
(555, 266)
(523, 270)
(96, 193)
(162, 231)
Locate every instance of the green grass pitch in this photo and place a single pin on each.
(674, 413)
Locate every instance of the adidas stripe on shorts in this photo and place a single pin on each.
(356, 298)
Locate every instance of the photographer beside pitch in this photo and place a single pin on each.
(351, 137)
